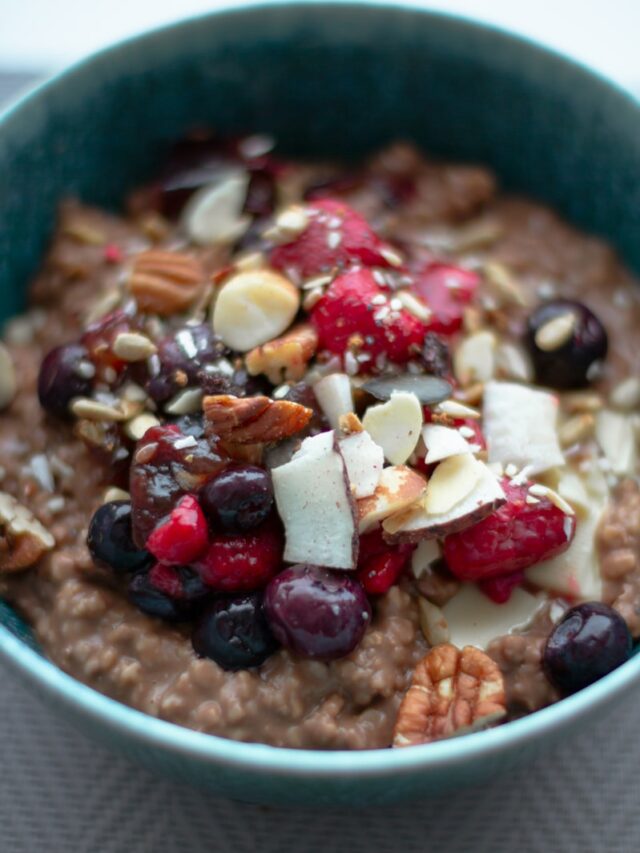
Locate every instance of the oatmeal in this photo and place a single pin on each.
(324, 458)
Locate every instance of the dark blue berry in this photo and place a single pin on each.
(575, 361)
(317, 613)
(591, 640)
(238, 499)
(65, 373)
(234, 633)
(110, 539)
(154, 602)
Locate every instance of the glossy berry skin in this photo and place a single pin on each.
(514, 537)
(354, 304)
(315, 251)
(180, 359)
(238, 499)
(62, 378)
(499, 589)
(239, 562)
(435, 357)
(591, 640)
(382, 572)
(317, 613)
(567, 366)
(234, 633)
(151, 593)
(110, 540)
(181, 583)
(183, 536)
(99, 337)
(447, 290)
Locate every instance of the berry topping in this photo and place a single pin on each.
(238, 499)
(317, 613)
(381, 572)
(435, 356)
(237, 562)
(181, 583)
(182, 357)
(234, 632)
(446, 289)
(183, 536)
(99, 339)
(332, 235)
(110, 540)
(356, 314)
(499, 589)
(160, 593)
(517, 535)
(567, 343)
(166, 465)
(590, 641)
(65, 373)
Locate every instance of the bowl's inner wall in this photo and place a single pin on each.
(327, 80)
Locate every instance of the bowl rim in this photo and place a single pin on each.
(284, 761)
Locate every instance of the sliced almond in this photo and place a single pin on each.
(213, 215)
(364, 460)
(512, 362)
(576, 429)
(616, 436)
(395, 425)
(254, 307)
(451, 482)
(432, 622)
(425, 555)
(398, 488)
(333, 392)
(442, 442)
(626, 394)
(474, 360)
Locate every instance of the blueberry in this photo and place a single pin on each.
(65, 373)
(234, 633)
(317, 613)
(238, 499)
(591, 640)
(110, 539)
(567, 343)
(153, 601)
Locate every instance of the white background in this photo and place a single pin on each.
(43, 35)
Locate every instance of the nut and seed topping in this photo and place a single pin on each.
(576, 429)
(133, 346)
(452, 692)
(165, 282)
(93, 410)
(136, 427)
(285, 358)
(23, 539)
(556, 332)
(248, 420)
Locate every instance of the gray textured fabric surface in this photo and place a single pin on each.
(61, 792)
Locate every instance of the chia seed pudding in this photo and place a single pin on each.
(322, 457)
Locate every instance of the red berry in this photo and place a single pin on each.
(113, 253)
(183, 536)
(355, 305)
(499, 589)
(382, 572)
(512, 538)
(166, 579)
(371, 545)
(317, 250)
(242, 561)
(446, 289)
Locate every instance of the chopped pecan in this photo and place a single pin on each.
(451, 692)
(23, 540)
(250, 420)
(165, 282)
(285, 357)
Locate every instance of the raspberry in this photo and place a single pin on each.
(446, 289)
(317, 250)
(242, 562)
(514, 537)
(499, 589)
(355, 308)
(183, 536)
(380, 567)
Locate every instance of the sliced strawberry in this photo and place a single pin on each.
(183, 536)
(446, 289)
(243, 561)
(499, 589)
(512, 538)
(356, 308)
(336, 237)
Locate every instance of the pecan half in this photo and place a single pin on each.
(23, 540)
(452, 692)
(165, 282)
(285, 357)
(248, 420)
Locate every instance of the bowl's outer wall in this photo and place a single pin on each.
(326, 80)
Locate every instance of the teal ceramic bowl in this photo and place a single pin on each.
(326, 79)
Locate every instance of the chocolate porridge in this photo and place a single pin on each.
(322, 457)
